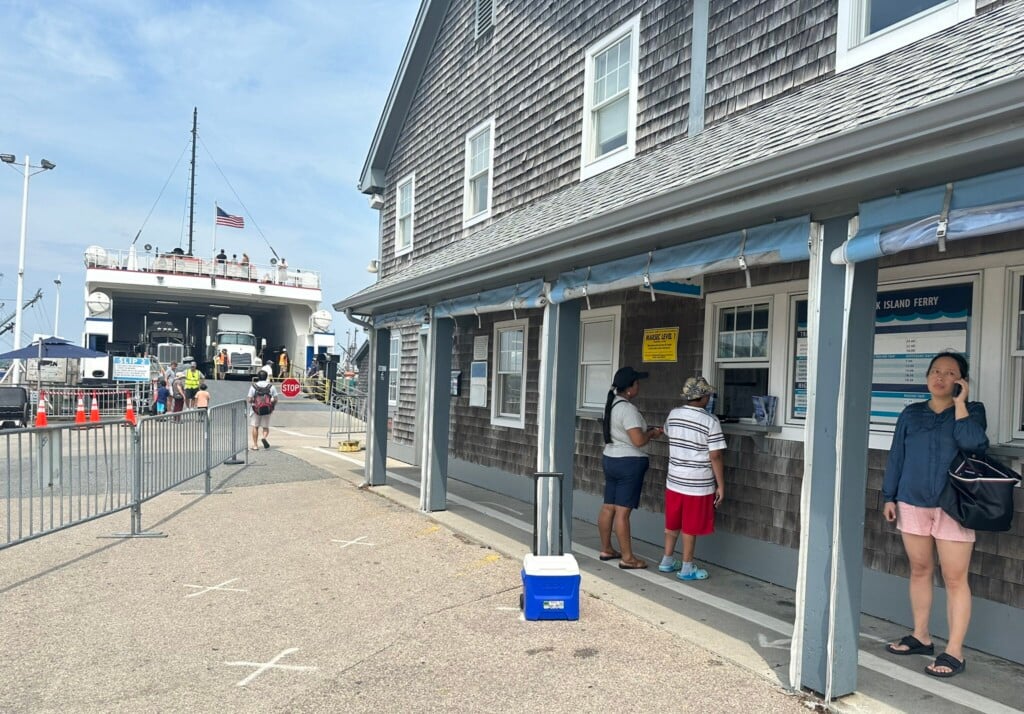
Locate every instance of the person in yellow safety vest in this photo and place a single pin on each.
(283, 364)
(192, 379)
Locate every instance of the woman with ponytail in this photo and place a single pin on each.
(625, 463)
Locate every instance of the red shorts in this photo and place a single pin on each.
(693, 515)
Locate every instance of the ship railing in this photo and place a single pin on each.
(348, 419)
(61, 402)
(57, 477)
(175, 264)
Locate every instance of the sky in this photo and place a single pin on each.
(289, 95)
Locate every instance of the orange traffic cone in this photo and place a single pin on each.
(80, 410)
(41, 411)
(94, 412)
(129, 412)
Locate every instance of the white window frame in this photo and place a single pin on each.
(394, 367)
(468, 218)
(719, 365)
(852, 48)
(514, 421)
(591, 165)
(409, 181)
(1015, 353)
(588, 317)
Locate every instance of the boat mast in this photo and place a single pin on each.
(192, 181)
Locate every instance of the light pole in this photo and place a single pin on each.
(26, 170)
(56, 310)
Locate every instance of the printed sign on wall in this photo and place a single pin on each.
(478, 384)
(911, 327)
(661, 344)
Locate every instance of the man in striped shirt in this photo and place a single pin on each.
(696, 477)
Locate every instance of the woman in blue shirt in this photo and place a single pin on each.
(927, 437)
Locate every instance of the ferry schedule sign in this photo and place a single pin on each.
(291, 387)
(130, 369)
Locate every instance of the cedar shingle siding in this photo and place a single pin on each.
(527, 74)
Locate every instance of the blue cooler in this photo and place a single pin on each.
(551, 587)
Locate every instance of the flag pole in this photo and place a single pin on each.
(213, 248)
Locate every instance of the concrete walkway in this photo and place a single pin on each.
(292, 589)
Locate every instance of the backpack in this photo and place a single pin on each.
(263, 401)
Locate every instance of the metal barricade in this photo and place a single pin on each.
(59, 476)
(348, 419)
(62, 402)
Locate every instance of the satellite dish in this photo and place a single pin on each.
(98, 304)
(273, 261)
(147, 247)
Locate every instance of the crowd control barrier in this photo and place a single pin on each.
(61, 476)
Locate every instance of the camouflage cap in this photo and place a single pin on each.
(695, 388)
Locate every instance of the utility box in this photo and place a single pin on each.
(551, 587)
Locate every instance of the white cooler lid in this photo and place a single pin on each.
(550, 565)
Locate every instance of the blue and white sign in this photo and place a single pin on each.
(131, 369)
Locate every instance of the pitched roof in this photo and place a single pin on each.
(966, 58)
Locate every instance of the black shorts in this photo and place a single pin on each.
(190, 393)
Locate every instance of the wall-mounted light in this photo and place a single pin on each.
(376, 201)
(373, 267)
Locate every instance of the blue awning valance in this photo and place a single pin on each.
(974, 207)
(780, 242)
(409, 316)
(511, 297)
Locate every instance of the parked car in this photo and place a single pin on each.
(15, 408)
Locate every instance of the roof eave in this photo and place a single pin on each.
(410, 70)
(974, 131)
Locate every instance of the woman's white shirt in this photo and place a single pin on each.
(624, 416)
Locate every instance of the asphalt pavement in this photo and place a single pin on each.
(292, 588)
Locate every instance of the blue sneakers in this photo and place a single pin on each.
(695, 574)
(671, 567)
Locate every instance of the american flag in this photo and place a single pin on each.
(226, 219)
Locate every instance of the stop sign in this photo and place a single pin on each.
(290, 387)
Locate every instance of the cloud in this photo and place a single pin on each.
(289, 95)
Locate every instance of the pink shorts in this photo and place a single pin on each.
(933, 522)
(693, 515)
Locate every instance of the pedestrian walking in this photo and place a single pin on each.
(927, 437)
(178, 394)
(262, 399)
(625, 463)
(695, 483)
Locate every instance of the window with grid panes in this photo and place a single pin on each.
(394, 362)
(479, 161)
(741, 357)
(404, 206)
(509, 373)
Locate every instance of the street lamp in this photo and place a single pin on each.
(27, 172)
(56, 310)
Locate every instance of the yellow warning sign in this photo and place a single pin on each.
(661, 344)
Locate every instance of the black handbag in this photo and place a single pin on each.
(979, 492)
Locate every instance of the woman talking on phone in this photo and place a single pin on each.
(625, 463)
(927, 437)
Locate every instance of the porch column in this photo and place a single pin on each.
(377, 402)
(434, 469)
(841, 318)
(556, 413)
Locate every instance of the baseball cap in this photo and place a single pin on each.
(695, 388)
(626, 376)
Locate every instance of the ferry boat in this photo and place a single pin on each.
(144, 305)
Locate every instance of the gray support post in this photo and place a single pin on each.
(698, 66)
(207, 478)
(377, 424)
(434, 471)
(566, 369)
(136, 509)
(840, 322)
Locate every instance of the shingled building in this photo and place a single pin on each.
(804, 199)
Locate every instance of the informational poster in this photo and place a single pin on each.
(130, 369)
(661, 344)
(478, 384)
(480, 343)
(911, 326)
